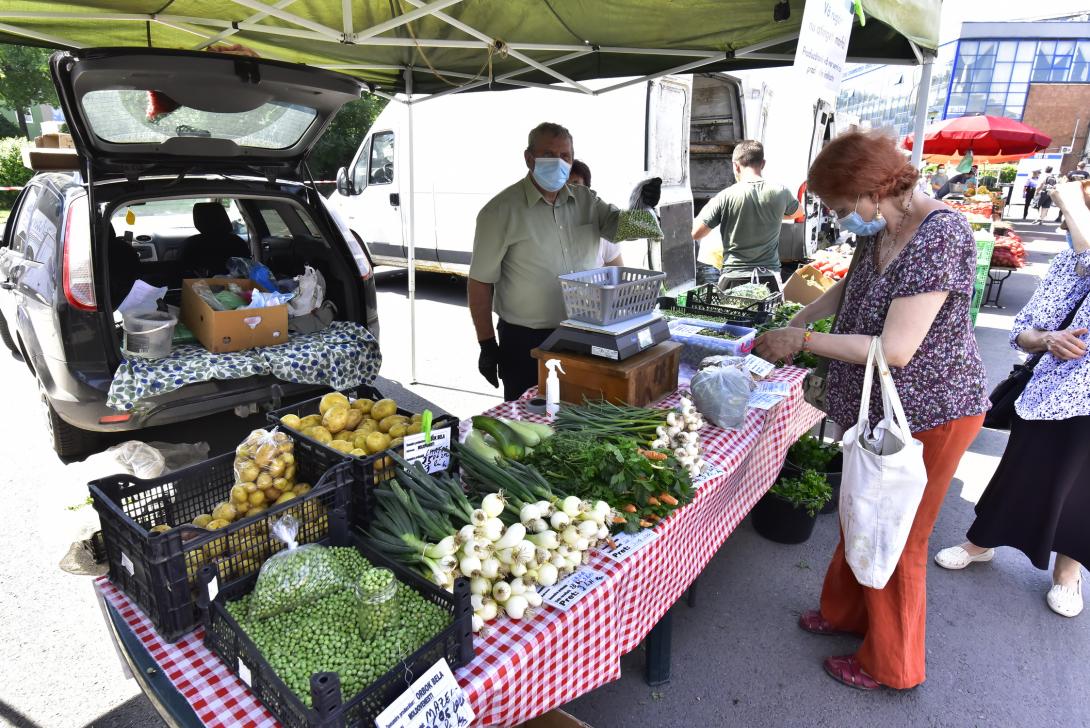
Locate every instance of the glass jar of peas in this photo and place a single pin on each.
(376, 607)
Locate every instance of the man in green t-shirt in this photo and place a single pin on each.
(748, 214)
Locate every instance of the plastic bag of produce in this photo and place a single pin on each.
(264, 471)
(310, 292)
(722, 394)
(296, 576)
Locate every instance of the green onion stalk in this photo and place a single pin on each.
(606, 419)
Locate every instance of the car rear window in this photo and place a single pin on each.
(136, 116)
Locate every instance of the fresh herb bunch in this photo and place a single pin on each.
(718, 334)
(810, 453)
(641, 485)
(783, 314)
(810, 491)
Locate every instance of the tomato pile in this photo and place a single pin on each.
(984, 209)
(1009, 251)
(833, 261)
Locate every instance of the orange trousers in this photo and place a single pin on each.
(893, 620)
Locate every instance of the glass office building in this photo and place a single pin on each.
(987, 70)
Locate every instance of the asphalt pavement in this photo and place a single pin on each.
(996, 655)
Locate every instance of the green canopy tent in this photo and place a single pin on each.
(409, 48)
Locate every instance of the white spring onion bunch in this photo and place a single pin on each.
(680, 434)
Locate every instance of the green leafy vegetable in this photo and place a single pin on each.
(811, 491)
(810, 453)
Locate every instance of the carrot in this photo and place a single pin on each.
(653, 455)
(668, 499)
(611, 542)
(645, 524)
(619, 520)
(652, 501)
(629, 508)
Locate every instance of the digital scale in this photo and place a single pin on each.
(617, 342)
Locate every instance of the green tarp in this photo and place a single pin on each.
(314, 31)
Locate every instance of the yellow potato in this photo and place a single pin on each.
(264, 481)
(254, 510)
(271, 494)
(377, 442)
(281, 484)
(360, 440)
(310, 421)
(417, 418)
(386, 423)
(363, 405)
(367, 426)
(243, 508)
(346, 435)
(319, 433)
(355, 417)
(331, 400)
(277, 466)
(248, 473)
(342, 446)
(291, 421)
(239, 494)
(358, 452)
(250, 488)
(161, 528)
(414, 428)
(217, 547)
(224, 512)
(302, 488)
(257, 498)
(397, 442)
(202, 520)
(284, 498)
(398, 430)
(265, 454)
(289, 474)
(335, 418)
(217, 523)
(288, 458)
(383, 408)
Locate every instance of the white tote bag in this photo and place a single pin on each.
(883, 482)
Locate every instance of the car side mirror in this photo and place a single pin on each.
(344, 183)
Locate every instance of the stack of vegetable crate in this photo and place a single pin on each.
(985, 242)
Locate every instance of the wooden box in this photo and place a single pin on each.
(640, 380)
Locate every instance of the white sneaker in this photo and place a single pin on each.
(1065, 601)
(956, 557)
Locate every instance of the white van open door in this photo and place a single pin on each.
(375, 211)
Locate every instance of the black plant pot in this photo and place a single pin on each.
(777, 520)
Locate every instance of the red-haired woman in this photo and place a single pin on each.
(912, 286)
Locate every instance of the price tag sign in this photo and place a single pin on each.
(629, 543)
(435, 457)
(680, 329)
(567, 592)
(709, 473)
(434, 701)
(244, 673)
(764, 400)
(759, 366)
(780, 388)
(127, 564)
(213, 589)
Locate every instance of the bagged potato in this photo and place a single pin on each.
(296, 576)
(264, 469)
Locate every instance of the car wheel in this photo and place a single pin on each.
(67, 440)
(5, 336)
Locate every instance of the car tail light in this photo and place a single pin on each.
(79, 279)
(113, 419)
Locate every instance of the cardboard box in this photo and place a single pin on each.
(555, 719)
(54, 141)
(225, 331)
(50, 160)
(806, 285)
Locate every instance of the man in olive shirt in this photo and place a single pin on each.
(536, 229)
(748, 214)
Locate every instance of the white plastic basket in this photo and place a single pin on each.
(609, 295)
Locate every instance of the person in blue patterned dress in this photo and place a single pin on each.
(1038, 499)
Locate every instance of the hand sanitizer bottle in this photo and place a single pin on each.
(552, 387)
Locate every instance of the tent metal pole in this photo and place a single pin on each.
(423, 10)
(504, 77)
(252, 20)
(412, 229)
(923, 92)
(651, 51)
(514, 53)
(44, 37)
(749, 49)
(183, 28)
(788, 57)
(346, 17)
(531, 84)
(667, 72)
(292, 18)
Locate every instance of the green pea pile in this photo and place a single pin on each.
(295, 577)
(325, 635)
(636, 224)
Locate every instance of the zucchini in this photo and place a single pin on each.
(475, 443)
(529, 436)
(510, 446)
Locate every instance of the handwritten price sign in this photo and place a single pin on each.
(433, 701)
(434, 457)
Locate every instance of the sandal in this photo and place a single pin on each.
(847, 670)
(812, 621)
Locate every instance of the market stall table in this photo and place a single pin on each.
(997, 276)
(523, 669)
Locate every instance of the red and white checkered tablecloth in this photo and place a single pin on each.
(526, 668)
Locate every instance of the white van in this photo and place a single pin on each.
(468, 147)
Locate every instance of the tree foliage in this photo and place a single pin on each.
(12, 171)
(24, 79)
(339, 143)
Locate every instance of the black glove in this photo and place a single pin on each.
(651, 192)
(488, 364)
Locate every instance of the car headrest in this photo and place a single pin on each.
(210, 218)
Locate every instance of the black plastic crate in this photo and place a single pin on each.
(711, 301)
(369, 471)
(159, 571)
(225, 637)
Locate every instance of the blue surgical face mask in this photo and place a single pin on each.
(551, 173)
(1070, 242)
(854, 223)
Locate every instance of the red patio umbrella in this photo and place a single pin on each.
(985, 136)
